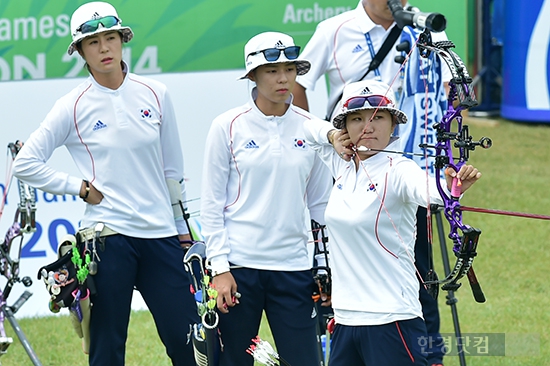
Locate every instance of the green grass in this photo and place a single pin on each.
(56, 344)
(512, 264)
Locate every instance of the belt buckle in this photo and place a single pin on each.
(90, 233)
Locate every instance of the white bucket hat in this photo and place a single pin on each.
(272, 47)
(354, 99)
(96, 17)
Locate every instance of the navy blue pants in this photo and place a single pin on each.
(286, 299)
(155, 268)
(393, 344)
(430, 310)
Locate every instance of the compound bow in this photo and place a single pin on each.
(460, 97)
(24, 222)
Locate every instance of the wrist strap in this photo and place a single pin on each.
(87, 189)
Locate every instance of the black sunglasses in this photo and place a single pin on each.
(273, 54)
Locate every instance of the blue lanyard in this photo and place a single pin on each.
(372, 54)
(377, 72)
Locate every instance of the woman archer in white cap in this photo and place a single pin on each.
(121, 132)
(259, 177)
(371, 218)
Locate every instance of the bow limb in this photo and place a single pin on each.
(13, 149)
(27, 196)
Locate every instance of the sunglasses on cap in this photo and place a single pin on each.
(92, 25)
(273, 54)
(373, 101)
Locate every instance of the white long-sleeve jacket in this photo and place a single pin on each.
(259, 176)
(125, 142)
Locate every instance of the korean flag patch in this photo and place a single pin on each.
(300, 144)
